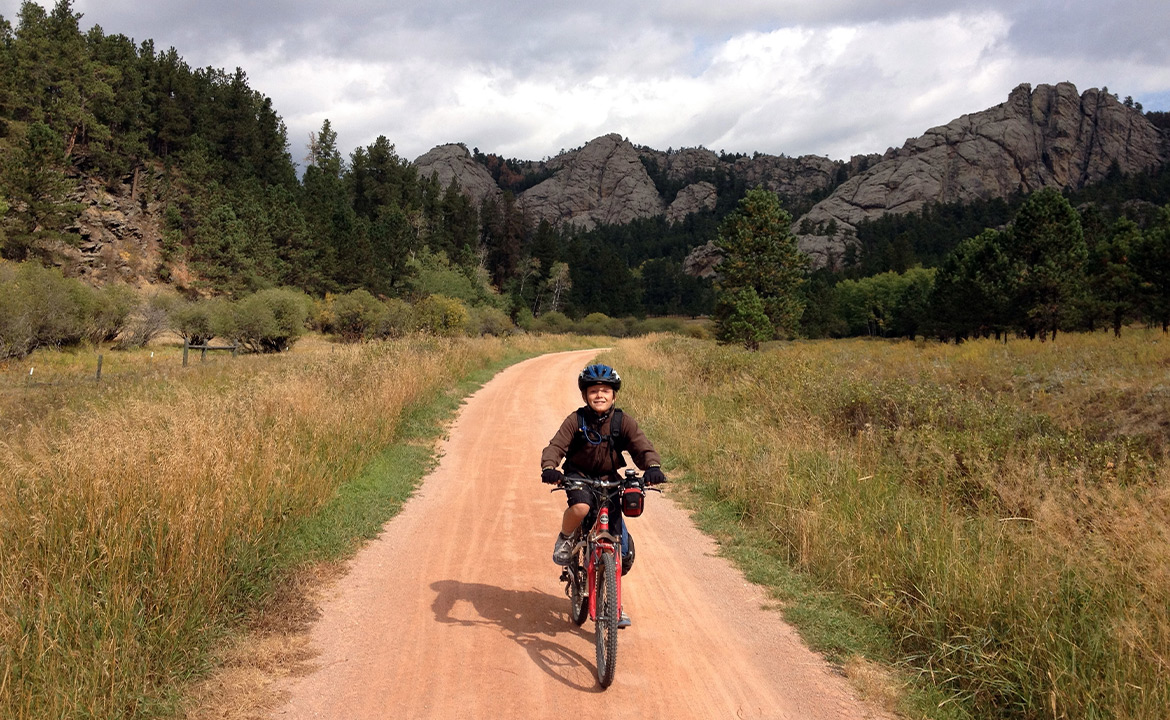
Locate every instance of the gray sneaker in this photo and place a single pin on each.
(624, 621)
(563, 549)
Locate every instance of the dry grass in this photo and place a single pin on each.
(139, 516)
(1003, 509)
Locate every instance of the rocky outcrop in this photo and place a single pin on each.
(703, 261)
(1047, 137)
(117, 235)
(603, 182)
(454, 162)
(692, 199)
(790, 177)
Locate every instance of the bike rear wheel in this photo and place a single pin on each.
(607, 620)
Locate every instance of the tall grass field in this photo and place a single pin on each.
(139, 516)
(1000, 511)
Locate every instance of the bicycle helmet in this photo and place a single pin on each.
(599, 375)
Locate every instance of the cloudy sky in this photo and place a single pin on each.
(528, 78)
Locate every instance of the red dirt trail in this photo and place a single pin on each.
(455, 611)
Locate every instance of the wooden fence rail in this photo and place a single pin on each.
(204, 348)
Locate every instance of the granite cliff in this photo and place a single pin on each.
(1049, 136)
(1046, 137)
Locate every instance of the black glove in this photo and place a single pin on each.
(654, 476)
(552, 476)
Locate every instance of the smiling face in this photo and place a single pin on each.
(599, 397)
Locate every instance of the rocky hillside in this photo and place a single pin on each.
(117, 231)
(608, 180)
(1046, 137)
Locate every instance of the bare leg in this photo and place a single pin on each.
(574, 514)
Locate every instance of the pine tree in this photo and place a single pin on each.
(1152, 259)
(1047, 253)
(740, 318)
(760, 253)
(1113, 279)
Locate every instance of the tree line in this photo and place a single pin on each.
(210, 156)
(1051, 268)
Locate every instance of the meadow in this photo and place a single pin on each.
(143, 516)
(994, 517)
(989, 520)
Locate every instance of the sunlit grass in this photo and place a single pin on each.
(138, 517)
(1003, 510)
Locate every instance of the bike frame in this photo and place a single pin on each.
(601, 541)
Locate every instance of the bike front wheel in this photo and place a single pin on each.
(578, 599)
(607, 620)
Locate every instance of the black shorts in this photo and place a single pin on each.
(579, 495)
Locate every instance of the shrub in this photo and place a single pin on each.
(397, 319)
(648, 326)
(110, 309)
(324, 316)
(39, 307)
(149, 319)
(270, 320)
(600, 324)
(440, 315)
(490, 321)
(551, 322)
(200, 321)
(358, 315)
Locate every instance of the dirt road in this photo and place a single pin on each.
(456, 610)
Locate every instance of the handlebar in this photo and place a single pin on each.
(600, 483)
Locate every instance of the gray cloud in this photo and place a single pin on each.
(529, 77)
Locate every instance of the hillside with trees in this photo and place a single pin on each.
(124, 166)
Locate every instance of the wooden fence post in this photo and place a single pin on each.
(186, 347)
(99, 371)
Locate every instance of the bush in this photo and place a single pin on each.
(150, 318)
(600, 324)
(490, 321)
(551, 322)
(324, 315)
(110, 309)
(200, 321)
(270, 320)
(648, 326)
(39, 307)
(397, 319)
(440, 315)
(358, 315)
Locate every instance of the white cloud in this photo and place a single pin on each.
(526, 78)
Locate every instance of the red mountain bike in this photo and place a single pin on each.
(593, 577)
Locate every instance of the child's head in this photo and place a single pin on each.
(599, 385)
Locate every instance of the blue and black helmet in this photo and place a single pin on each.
(599, 375)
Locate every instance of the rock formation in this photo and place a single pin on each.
(692, 199)
(118, 232)
(454, 162)
(603, 182)
(1047, 137)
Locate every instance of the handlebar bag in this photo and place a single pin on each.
(633, 501)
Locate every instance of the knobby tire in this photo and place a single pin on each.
(578, 600)
(607, 620)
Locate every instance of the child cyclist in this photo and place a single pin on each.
(586, 442)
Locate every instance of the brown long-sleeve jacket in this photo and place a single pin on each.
(582, 457)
